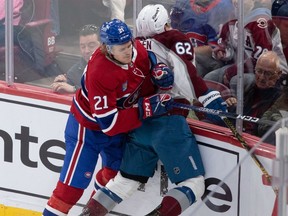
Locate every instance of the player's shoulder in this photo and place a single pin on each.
(101, 65)
(261, 16)
(230, 22)
(139, 46)
(176, 34)
(228, 26)
(171, 37)
(107, 76)
(96, 54)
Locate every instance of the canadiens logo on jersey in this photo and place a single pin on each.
(138, 72)
(132, 98)
(262, 23)
(129, 100)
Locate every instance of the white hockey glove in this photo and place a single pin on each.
(213, 100)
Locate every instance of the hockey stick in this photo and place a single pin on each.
(224, 116)
(221, 113)
(248, 148)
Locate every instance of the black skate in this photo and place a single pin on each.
(85, 211)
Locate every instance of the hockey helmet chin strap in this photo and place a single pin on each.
(109, 49)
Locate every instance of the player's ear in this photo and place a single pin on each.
(167, 26)
(109, 49)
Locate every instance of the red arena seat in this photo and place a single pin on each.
(40, 52)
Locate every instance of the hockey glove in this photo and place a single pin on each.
(213, 100)
(162, 76)
(154, 105)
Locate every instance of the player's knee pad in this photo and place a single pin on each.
(197, 185)
(103, 176)
(123, 187)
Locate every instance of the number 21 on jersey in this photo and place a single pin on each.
(100, 102)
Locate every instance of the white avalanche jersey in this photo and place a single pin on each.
(260, 35)
(174, 49)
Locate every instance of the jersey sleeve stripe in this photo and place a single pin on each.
(86, 115)
(111, 112)
(112, 123)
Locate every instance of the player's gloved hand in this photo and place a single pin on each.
(154, 105)
(213, 100)
(162, 76)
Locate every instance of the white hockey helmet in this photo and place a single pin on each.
(151, 20)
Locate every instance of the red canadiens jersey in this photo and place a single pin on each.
(175, 50)
(260, 35)
(109, 91)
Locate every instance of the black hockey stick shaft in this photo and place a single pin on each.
(248, 148)
(221, 113)
(224, 116)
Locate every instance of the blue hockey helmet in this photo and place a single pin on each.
(184, 18)
(115, 32)
(277, 4)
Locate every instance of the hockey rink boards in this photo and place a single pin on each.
(32, 122)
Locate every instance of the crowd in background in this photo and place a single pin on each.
(211, 25)
(207, 58)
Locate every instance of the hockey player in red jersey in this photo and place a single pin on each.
(167, 137)
(103, 110)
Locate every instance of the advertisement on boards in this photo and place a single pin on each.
(32, 152)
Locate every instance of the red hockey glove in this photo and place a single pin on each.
(154, 105)
(162, 76)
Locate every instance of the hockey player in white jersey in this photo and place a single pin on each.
(167, 137)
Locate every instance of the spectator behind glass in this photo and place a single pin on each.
(89, 42)
(260, 35)
(201, 21)
(276, 112)
(17, 6)
(21, 36)
(280, 18)
(32, 29)
(263, 93)
(117, 8)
